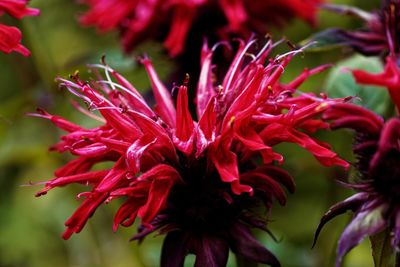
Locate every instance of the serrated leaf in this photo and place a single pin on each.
(340, 83)
(382, 250)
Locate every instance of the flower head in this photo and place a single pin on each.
(199, 181)
(176, 22)
(376, 146)
(376, 203)
(10, 37)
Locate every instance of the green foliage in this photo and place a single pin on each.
(340, 83)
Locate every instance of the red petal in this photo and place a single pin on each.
(17, 8)
(182, 20)
(155, 131)
(78, 220)
(235, 13)
(225, 161)
(185, 126)
(81, 178)
(389, 78)
(208, 120)
(107, 14)
(165, 105)
(10, 38)
(114, 177)
(127, 213)
(205, 87)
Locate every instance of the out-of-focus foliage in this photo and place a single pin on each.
(30, 228)
(340, 83)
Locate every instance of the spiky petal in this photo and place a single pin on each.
(196, 180)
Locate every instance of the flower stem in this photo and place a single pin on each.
(397, 264)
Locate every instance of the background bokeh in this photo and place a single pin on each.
(30, 228)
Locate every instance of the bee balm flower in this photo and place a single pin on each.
(376, 203)
(10, 37)
(177, 22)
(199, 181)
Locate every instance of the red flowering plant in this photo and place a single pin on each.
(201, 182)
(178, 22)
(376, 204)
(10, 37)
(377, 148)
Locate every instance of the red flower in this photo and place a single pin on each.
(376, 202)
(196, 180)
(10, 37)
(177, 21)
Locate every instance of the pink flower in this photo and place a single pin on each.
(10, 37)
(178, 21)
(196, 180)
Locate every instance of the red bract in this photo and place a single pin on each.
(174, 20)
(10, 37)
(198, 180)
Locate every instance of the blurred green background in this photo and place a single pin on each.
(30, 228)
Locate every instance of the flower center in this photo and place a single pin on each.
(198, 208)
(386, 175)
